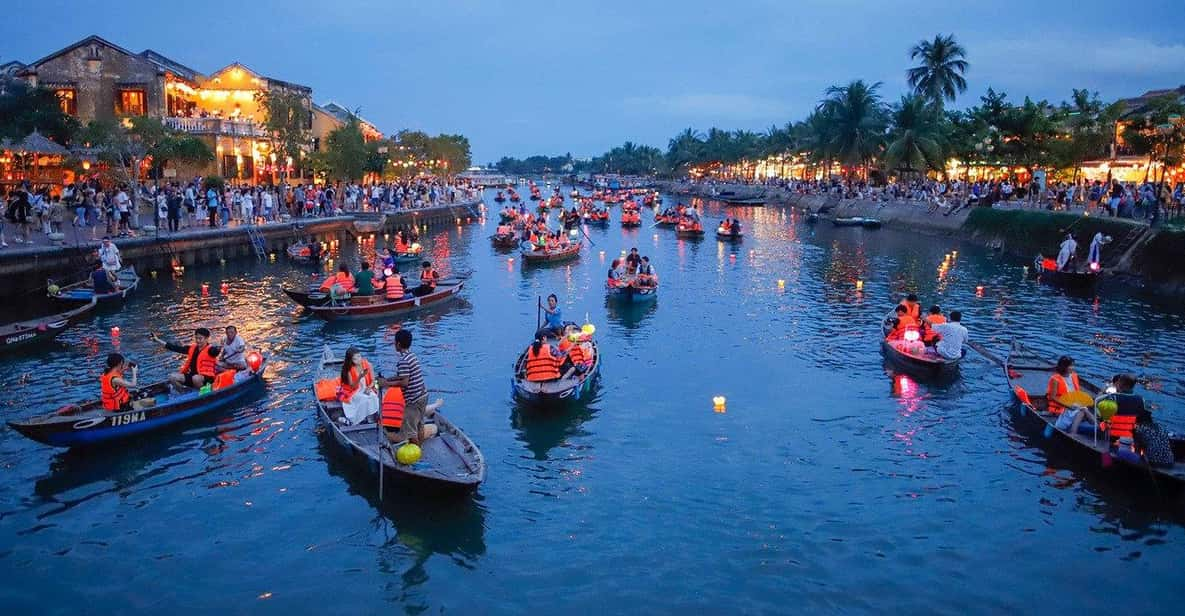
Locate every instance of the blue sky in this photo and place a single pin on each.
(550, 77)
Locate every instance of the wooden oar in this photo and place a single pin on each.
(978, 348)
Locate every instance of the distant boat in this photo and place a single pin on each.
(857, 221)
(28, 333)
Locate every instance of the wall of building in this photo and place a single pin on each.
(96, 90)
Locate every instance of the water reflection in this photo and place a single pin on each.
(630, 315)
(543, 429)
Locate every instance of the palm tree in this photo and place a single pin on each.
(915, 143)
(939, 76)
(685, 149)
(856, 121)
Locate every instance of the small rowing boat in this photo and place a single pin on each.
(84, 291)
(574, 388)
(359, 307)
(15, 336)
(1028, 376)
(728, 235)
(303, 253)
(632, 294)
(449, 462)
(691, 232)
(1071, 280)
(925, 364)
(154, 407)
(504, 240)
(665, 221)
(572, 251)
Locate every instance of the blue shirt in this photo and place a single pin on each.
(554, 320)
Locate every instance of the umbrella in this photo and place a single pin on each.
(34, 143)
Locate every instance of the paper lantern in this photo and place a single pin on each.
(254, 361)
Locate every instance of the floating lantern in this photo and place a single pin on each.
(254, 361)
(781, 284)
(718, 403)
(272, 257)
(153, 273)
(573, 233)
(205, 289)
(656, 237)
(979, 290)
(115, 332)
(954, 253)
(1094, 267)
(510, 259)
(602, 254)
(859, 285)
(222, 262)
(224, 288)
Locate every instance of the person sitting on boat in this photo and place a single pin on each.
(357, 391)
(647, 277)
(633, 259)
(912, 307)
(103, 281)
(233, 352)
(951, 335)
(904, 319)
(388, 259)
(364, 281)
(553, 316)
(109, 256)
(613, 277)
(428, 279)
(401, 245)
(114, 388)
(1065, 255)
(735, 227)
(392, 285)
(576, 357)
(341, 283)
(929, 336)
(1153, 440)
(1063, 381)
(542, 364)
(199, 367)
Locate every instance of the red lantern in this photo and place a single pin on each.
(254, 361)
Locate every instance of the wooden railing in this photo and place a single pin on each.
(216, 126)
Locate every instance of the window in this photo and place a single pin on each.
(131, 102)
(67, 100)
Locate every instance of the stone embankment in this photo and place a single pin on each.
(1138, 255)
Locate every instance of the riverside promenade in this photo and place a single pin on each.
(25, 268)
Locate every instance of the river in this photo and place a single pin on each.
(827, 483)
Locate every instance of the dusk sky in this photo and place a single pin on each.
(528, 77)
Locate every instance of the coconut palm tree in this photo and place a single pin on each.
(856, 119)
(685, 149)
(939, 75)
(915, 142)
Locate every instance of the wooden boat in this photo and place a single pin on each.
(856, 221)
(690, 233)
(757, 201)
(665, 221)
(630, 294)
(571, 389)
(450, 462)
(309, 297)
(554, 256)
(596, 220)
(634, 221)
(85, 424)
(728, 236)
(1071, 280)
(15, 336)
(922, 366)
(504, 240)
(302, 253)
(515, 198)
(1028, 375)
(361, 307)
(500, 198)
(83, 291)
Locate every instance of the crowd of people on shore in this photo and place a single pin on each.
(98, 209)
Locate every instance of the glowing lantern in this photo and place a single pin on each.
(718, 403)
(387, 272)
(510, 259)
(573, 233)
(979, 290)
(205, 289)
(224, 288)
(1094, 267)
(859, 285)
(589, 329)
(254, 361)
(912, 335)
(781, 284)
(115, 332)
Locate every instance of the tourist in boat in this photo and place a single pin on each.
(1153, 440)
(735, 227)
(929, 336)
(113, 387)
(952, 335)
(542, 363)
(199, 366)
(428, 279)
(553, 315)
(912, 308)
(109, 256)
(410, 380)
(1063, 381)
(905, 320)
(364, 281)
(233, 355)
(576, 357)
(1065, 255)
(647, 277)
(633, 259)
(341, 283)
(103, 281)
(393, 285)
(613, 277)
(357, 391)
(388, 259)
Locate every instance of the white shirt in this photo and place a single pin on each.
(1069, 247)
(109, 256)
(954, 335)
(122, 201)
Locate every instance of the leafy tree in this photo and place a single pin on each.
(123, 145)
(346, 151)
(1158, 132)
(915, 140)
(24, 109)
(856, 120)
(939, 75)
(287, 120)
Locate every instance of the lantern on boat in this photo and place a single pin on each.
(54, 289)
(912, 335)
(718, 403)
(573, 233)
(205, 289)
(408, 454)
(979, 290)
(1094, 266)
(254, 361)
(589, 329)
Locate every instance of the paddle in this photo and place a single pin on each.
(590, 242)
(538, 312)
(978, 348)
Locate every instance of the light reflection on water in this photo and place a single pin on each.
(830, 481)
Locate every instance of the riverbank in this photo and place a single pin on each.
(24, 270)
(1138, 254)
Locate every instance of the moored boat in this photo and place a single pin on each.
(552, 256)
(303, 253)
(691, 232)
(449, 461)
(23, 334)
(84, 291)
(576, 387)
(359, 307)
(1073, 280)
(1028, 375)
(856, 221)
(924, 364)
(88, 424)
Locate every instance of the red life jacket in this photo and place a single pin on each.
(394, 287)
(1057, 388)
(392, 409)
(1121, 425)
(428, 277)
(346, 391)
(576, 354)
(542, 366)
(114, 397)
(205, 363)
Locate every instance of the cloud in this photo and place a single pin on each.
(708, 105)
(1046, 57)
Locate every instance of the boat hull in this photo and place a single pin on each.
(632, 295)
(385, 309)
(1083, 282)
(17, 336)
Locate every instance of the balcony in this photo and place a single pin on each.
(216, 126)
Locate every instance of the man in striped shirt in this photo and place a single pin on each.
(410, 379)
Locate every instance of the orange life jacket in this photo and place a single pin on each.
(392, 409)
(114, 397)
(345, 280)
(428, 277)
(205, 363)
(935, 319)
(576, 354)
(1121, 425)
(400, 246)
(347, 390)
(226, 378)
(914, 310)
(542, 366)
(394, 287)
(1057, 388)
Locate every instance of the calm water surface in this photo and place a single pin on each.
(829, 483)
